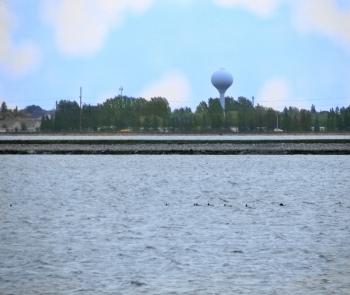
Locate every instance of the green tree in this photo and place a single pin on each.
(182, 119)
(67, 116)
(216, 114)
(202, 120)
(3, 107)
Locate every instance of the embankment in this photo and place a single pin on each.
(210, 147)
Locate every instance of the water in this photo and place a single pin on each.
(99, 225)
(177, 137)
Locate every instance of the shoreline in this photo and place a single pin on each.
(167, 134)
(176, 147)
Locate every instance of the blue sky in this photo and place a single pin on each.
(283, 52)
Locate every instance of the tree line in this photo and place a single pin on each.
(138, 114)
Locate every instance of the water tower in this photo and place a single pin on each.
(222, 80)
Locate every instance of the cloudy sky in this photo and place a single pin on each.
(283, 52)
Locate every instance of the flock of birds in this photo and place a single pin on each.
(225, 205)
(208, 204)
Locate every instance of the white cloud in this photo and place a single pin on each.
(260, 7)
(325, 17)
(274, 93)
(18, 59)
(81, 26)
(173, 86)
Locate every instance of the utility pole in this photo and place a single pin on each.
(81, 110)
(121, 96)
(253, 101)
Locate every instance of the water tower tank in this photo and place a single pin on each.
(222, 80)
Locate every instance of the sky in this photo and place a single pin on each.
(282, 52)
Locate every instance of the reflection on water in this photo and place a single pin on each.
(100, 225)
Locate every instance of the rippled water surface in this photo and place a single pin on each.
(128, 225)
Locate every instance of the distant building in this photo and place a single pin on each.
(24, 124)
(234, 129)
